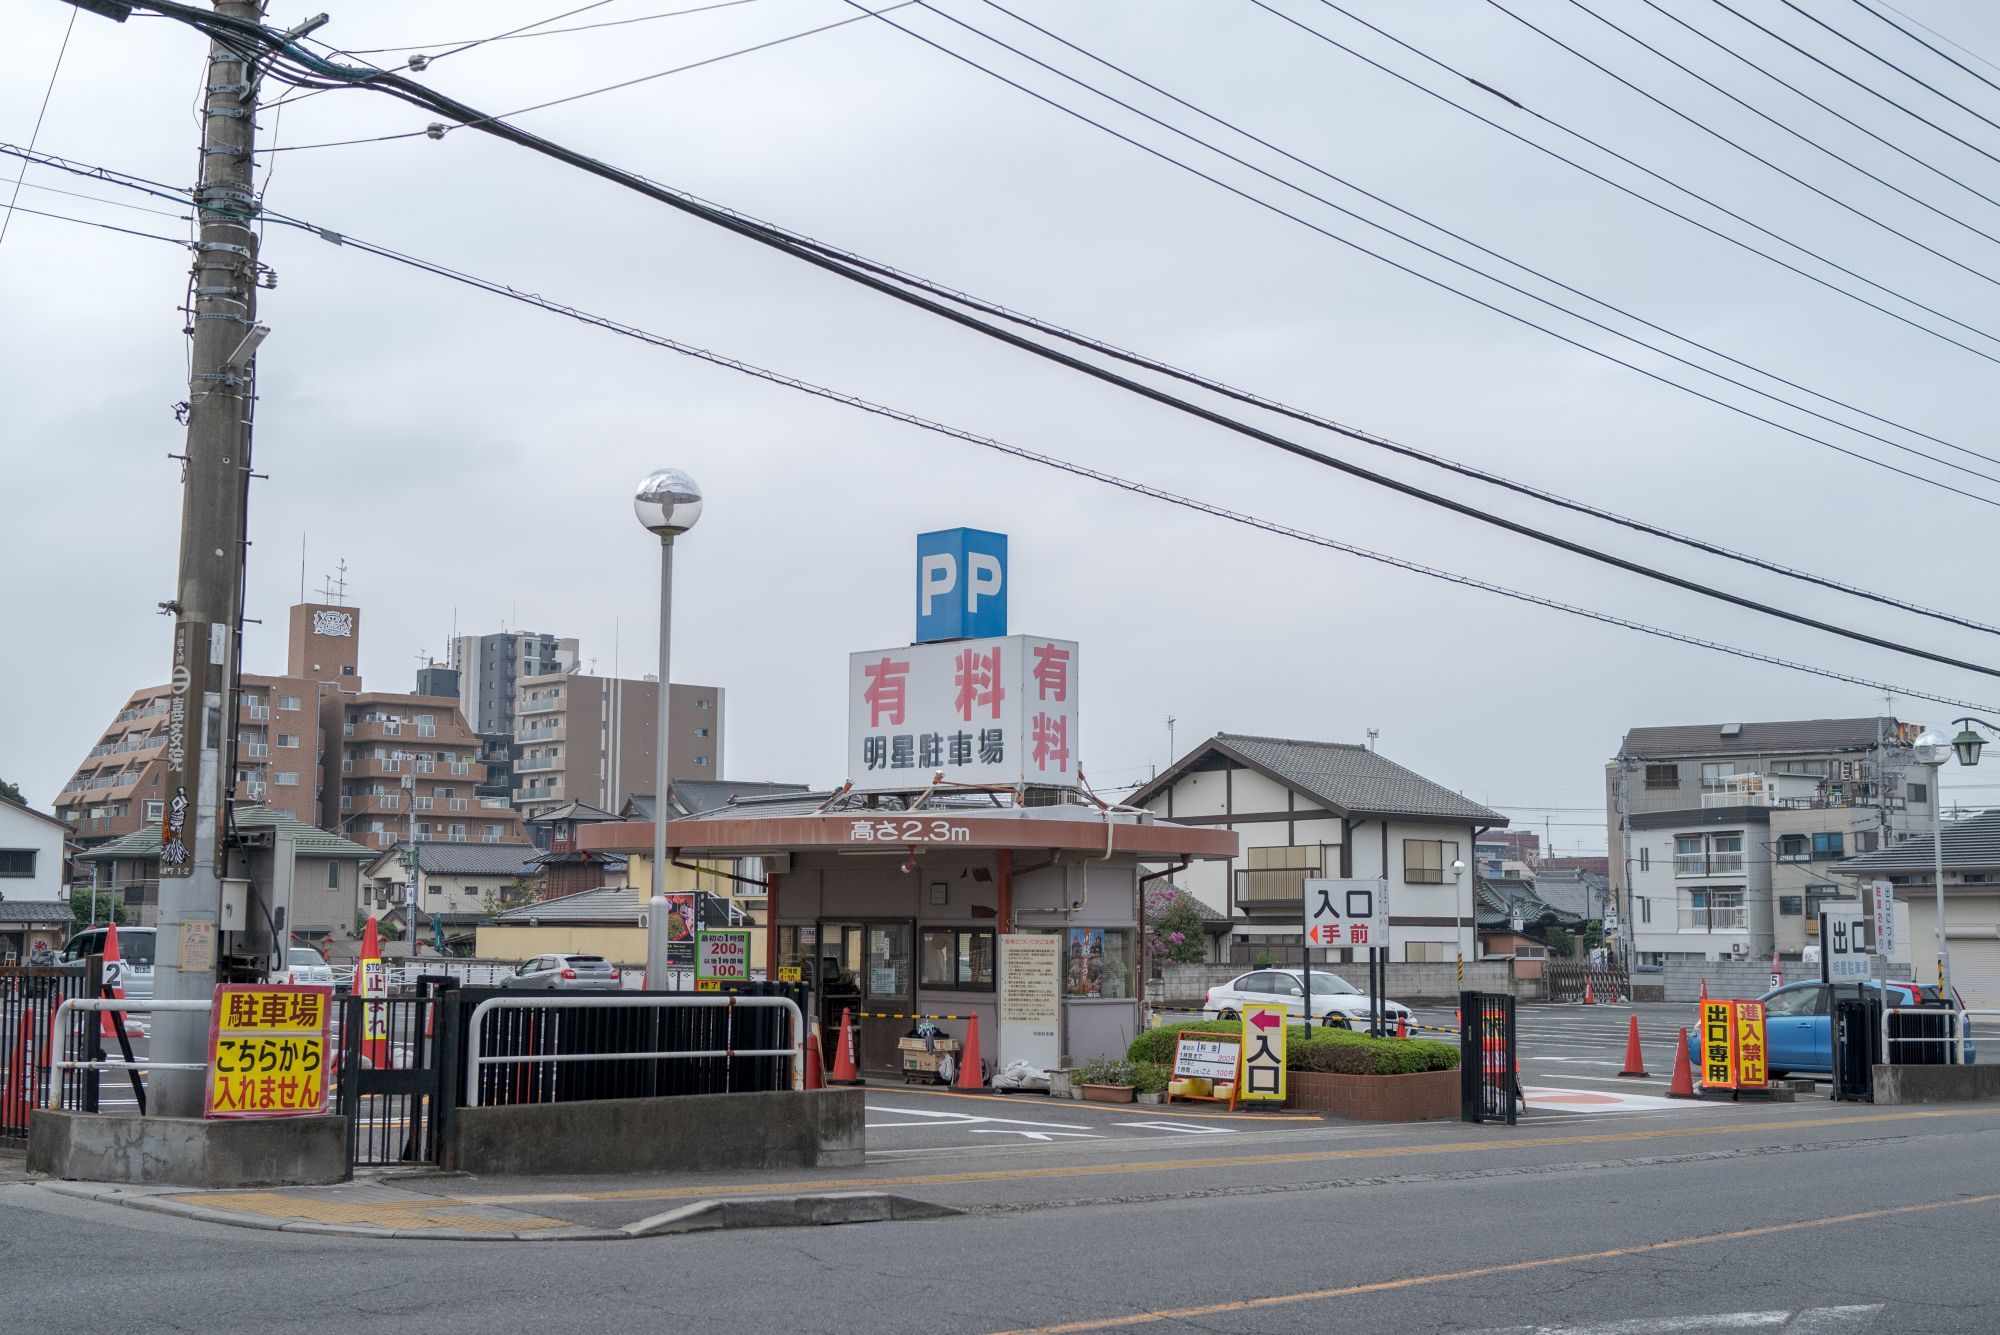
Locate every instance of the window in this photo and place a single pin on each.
(1690, 855)
(1663, 776)
(1791, 906)
(1714, 911)
(490, 835)
(1867, 841)
(1816, 897)
(956, 959)
(286, 778)
(1793, 1002)
(1708, 855)
(332, 874)
(1100, 962)
(288, 739)
(1425, 861)
(704, 704)
(1829, 844)
(701, 732)
(458, 834)
(1645, 858)
(1815, 768)
(17, 862)
(1920, 792)
(1713, 772)
(155, 811)
(288, 702)
(1645, 908)
(433, 889)
(1794, 848)
(1423, 952)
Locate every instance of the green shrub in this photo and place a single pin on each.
(1107, 1073)
(1340, 1051)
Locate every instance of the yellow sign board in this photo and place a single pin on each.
(1263, 1055)
(267, 1051)
(791, 973)
(1718, 1045)
(708, 985)
(1752, 1057)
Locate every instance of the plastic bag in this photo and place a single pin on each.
(1021, 1075)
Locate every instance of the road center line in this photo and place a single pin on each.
(1483, 1272)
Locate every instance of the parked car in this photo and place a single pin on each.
(135, 951)
(1798, 1026)
(1335, 1001)
(305, 965)
(565, 973)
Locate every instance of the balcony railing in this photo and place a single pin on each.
(534, 762)
(258, 711)
(1273, 885)
(1708, 864)
(1720, 918)
(461, 769)
(541, 706)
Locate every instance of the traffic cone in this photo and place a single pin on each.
(1589, 996)
(106, 1025)
(19, 1095)
(815, 1077)
(971, 1070)
(1402, 1026)
(374, 1015)
(1683, 1082)
(1635, 1062)
(1704, 989)
(843, 1053)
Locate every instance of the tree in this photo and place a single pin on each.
(109, 909)
(1174, 931)
(1561, 943)
(12, 792)
(520, 891)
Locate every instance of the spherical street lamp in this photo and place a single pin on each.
(668, 503)
(1933, 749)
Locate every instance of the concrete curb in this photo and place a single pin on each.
(854, 1207)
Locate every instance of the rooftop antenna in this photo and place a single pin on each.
(302, 565)
(1172, 754)
(336, 585)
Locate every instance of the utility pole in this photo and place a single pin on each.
(207, 606)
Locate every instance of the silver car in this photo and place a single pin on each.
(565, 973)
(135, 954)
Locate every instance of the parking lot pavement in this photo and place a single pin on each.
(915, 1123)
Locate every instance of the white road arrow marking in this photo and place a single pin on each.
(1183, 1128)
(1036, 1135)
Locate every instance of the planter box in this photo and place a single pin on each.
(1112, 1093)
(1425, 1096)
(1157, 1097)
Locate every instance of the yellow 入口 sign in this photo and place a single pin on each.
(1718, 1045)
(267, 1051)
(1752, 1057)
(1263, 1054)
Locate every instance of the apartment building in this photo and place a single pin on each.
(583, 738)
(408, 767)
(489, 670)
(1724, 836)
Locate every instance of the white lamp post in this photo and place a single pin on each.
(1458, 937)
(667, 503)
(1933, 749)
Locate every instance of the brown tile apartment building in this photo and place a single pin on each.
(407, 768)
(589, 739)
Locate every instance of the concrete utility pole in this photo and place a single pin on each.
(207, 606)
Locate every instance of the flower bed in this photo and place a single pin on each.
(1342, 1072)
(1418, 1097)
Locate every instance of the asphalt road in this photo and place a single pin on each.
(1812, 1222)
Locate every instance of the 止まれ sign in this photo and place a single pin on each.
(1347, 912)
(267, 1051)
(722, 957)
(999, 711)
(1263, 1054)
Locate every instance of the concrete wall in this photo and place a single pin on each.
(691, 1133)
(1682, 979)
(1187, 984)
(188, 1151)
(623, 946)
(1936, 1084)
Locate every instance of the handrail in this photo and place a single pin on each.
(60, 1057)
(1959, 1021)
(474, 1057)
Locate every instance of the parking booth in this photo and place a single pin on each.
(933, 910)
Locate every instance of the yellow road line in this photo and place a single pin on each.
(715, 1190)
(1486, 1271)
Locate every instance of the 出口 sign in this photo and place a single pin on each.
(267, 1047)
(1001, 711)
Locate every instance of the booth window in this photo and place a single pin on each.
(957, 959)
(1100, 962)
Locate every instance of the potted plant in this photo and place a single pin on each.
(1107, 1082)
(1150, 1079)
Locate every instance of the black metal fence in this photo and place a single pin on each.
(394, 1086)
(565, 1040)
(29, 996)
(1489, 1089)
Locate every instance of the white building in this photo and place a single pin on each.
(1971, 899)
(31, 853)
(1304, 809)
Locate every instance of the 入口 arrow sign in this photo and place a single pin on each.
(1264, 1020)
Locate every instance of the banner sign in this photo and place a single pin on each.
(1884, 897)
(267, 1051)
(996, 711)
(1263, 1055)
(1718, 1045)
(183, 752)
(1752, 1057)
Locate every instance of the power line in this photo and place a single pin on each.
(1880, 59)
(463, 44)
(1456, 236)
(1633, 163)
(233, 33)
(36, 133)
(1754, 156)
(1940, 36)
(1440, 283)
(12, 209)
(1246, 397)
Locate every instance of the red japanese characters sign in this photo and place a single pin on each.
(267, 1051)
(998, 711)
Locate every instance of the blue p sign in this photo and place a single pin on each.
(961, 585)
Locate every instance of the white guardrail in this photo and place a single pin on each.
(61, 1053)
(546, 1001)
(1958, 1028)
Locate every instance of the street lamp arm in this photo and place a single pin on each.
(1968, 744)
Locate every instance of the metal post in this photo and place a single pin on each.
(656, 941)
(1937, 851)
(206, 606)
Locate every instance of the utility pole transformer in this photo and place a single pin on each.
(207, 608)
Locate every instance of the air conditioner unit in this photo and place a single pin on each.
(1738, 950)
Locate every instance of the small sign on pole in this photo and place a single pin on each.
(267, 1047)
(1884, 896)
(1347, 912)
(1752, 1057)
(1263, 1055)
(721, 956)
(1842, 957)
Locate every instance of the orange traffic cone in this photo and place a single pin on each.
(374, 1015)
(106, 1025)
(815, 1077)
(1704, 989)
(1683, 1082)
(843, 1053)
(971, 1070)
(1402, 1026)
(1635, 1062)
(18, 1097)
(1589, 996)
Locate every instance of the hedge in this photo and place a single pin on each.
(1340, 1051)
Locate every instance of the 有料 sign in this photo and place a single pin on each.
(267, 1047)
(996, 711)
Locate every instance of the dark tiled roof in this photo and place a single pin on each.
(1972, 844)
(778, 804)
(610, 904)
(1344, 775)
(571, 811)
(1576, 894)
(455, 859)
(1210, 917)
(1501, 898)
(1809, 736)
(35, 911)
(695, 797)
(312, 842)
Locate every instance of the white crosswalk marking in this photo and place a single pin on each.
(1183, 1128)
(1808, 1321)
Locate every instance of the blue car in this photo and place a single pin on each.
(1799, 1031)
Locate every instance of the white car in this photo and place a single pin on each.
(1335, 1001)
(305, 965)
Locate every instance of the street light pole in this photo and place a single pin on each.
(1458, 909)
(1932, 750)
(667, 503)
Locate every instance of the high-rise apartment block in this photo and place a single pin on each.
(585, 738)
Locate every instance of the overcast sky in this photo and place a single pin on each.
(472, 459)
